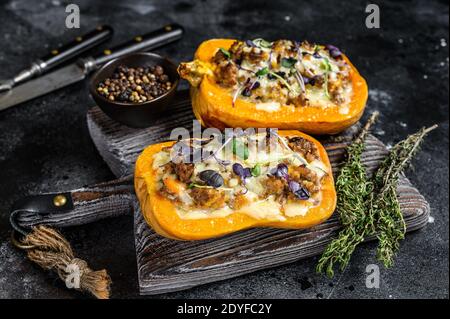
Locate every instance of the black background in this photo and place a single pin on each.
(45, 145)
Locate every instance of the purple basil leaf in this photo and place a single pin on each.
(273, 171)
(310, 81)
(331, 47)
(334, 51)
(294, 186)
(238, 169)
(306, 80)
(250, 43)
(255, 85)
(246, 92)
(282, 170)
(302, 194)
(317, 55)
(247, 173)
(212, 178)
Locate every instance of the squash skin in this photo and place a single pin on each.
(212, 105)
(161, 215)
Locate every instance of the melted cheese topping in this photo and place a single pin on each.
(268, 106)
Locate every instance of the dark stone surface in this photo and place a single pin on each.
(45, 145)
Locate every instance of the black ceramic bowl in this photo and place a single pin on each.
(135, 114)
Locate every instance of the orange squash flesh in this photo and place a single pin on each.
(160, 213)
(212, 104)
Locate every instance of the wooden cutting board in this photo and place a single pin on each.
(166, 265)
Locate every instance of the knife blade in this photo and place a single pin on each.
(60, 55)
(43, 85)
(77, 71)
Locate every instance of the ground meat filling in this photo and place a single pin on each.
(226, 73)
(306, 177)
(304, 147)
(219, 57)
(183, 171)
(335, 88)
(307, 45)
(275, 186)
(239, 201)
(163, 191)
(255, 55)
(208, 198)
(236, 51)
(300, 100)
(284, 48)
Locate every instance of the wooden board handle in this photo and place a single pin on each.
(76, 207)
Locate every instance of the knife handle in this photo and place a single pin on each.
(149, 41)
(63, 53)
(76, 47)
(77, 207)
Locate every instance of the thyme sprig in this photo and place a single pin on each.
(391, 226)
(352, 188)
(370, 206)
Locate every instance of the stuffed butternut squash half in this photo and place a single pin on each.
(278, 179)
(283, 84)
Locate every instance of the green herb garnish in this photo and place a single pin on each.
(352, 187)
(225, 52)
(325, 65)
(256, 170)
(239, 149)
(262, 43)
(262, 71)
(288, 62)
(282, 80)
(369, 207)
(391, 227)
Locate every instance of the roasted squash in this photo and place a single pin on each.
(162, 215)
(215, 106)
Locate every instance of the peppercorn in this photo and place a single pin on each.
(159, 70)
(135, 85)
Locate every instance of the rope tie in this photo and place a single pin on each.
(50, 250)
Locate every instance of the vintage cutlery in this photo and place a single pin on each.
(62, 54)
(77, 71)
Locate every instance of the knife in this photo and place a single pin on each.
(79, 70)
(61, 54)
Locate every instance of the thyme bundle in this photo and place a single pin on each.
(370, 206)
(352, 187)
(390, 224)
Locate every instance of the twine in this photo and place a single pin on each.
(50, 250)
